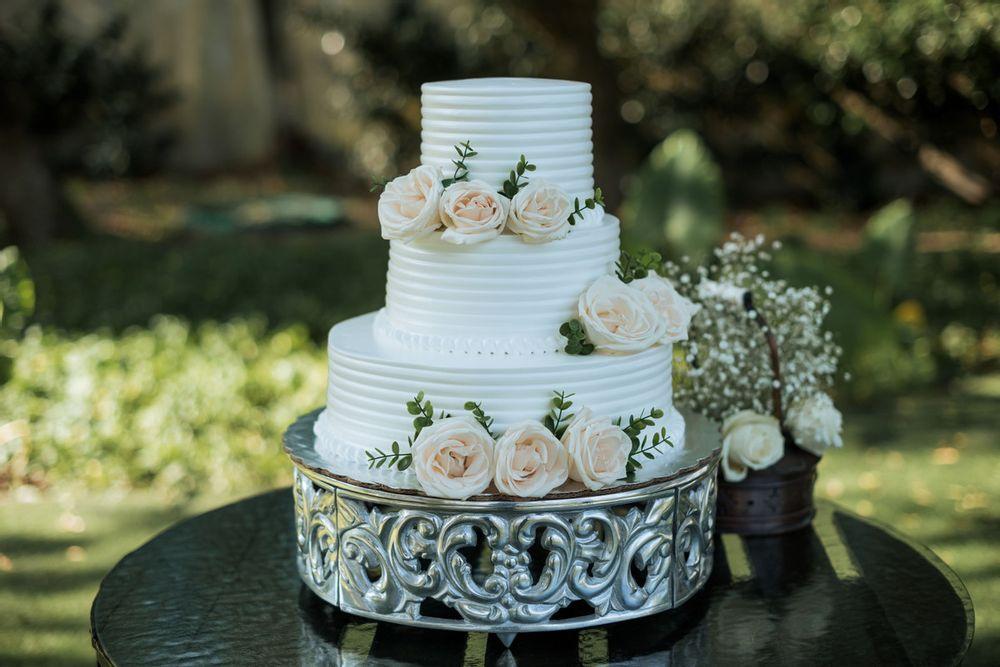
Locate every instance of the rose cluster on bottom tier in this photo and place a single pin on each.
(458, 456)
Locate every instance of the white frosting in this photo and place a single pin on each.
(370, 384)
(546, 120)
(504, 296)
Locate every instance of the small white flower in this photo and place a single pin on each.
(729, 294)
(530, 462)
(619, 318)
(539, 213)
(750, 441)
(598, 450)
(815, 423)
(408, 207)
(675, 309)
(453, 458)
(472, 212)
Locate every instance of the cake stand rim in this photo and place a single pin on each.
(299, 439)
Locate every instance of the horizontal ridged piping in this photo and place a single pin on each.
(439, 294)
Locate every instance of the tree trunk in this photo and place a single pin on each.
(29, 193)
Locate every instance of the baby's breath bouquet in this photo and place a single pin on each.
(758, 358)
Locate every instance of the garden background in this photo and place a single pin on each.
(185, 211)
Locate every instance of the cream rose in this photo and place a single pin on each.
(408, 207)
(674, 308)
(529, 461)
(618, 317)
(453, 458)
(472, 212)
(750, 440)
(539, 213)
(598, 450)
(815, 423)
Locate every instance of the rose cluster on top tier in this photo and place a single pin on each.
(418, 203)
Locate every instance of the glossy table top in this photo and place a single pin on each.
(221, 588)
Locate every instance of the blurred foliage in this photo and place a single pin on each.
(91, 102)
(393, 48)
(814, 102)
(888, 247)
(308, 279)
(17, 303)
(677, 197)
(17, 293)
(765, 85)
(173, 406)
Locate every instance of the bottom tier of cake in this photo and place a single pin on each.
(370, 383)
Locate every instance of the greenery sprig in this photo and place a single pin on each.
(590, 202)
(513, 183)
(465, 151)
(480, 416)
(558, 419)
(576, 338)
(646, 448)
(393, 459)
(634, 267)
(423, 412)
(379, 184)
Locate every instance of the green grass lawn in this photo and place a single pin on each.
(927, 466)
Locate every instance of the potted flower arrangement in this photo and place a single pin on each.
(760, 362)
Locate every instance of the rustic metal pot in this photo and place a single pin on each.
(772, 501)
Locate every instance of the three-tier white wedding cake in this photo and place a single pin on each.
(502, 279)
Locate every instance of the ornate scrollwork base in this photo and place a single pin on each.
(500, 566)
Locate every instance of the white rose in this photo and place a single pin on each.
(529, 461)
(472, 212)
(618, 317)
(815, 423)
(408, 207)
(750, 440)
(453, 458)
(675, 309)
(598, 450)
(539, 213)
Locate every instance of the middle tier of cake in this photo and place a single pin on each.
(370, 383)
(504, 297)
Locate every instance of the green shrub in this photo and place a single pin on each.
(677, 198)
(180, 407)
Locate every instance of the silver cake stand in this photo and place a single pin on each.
(505, 566)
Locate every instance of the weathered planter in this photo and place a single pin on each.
(772, 501)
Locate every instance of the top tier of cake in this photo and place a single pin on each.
(547, 120)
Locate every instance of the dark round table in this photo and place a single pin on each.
(221, 588)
